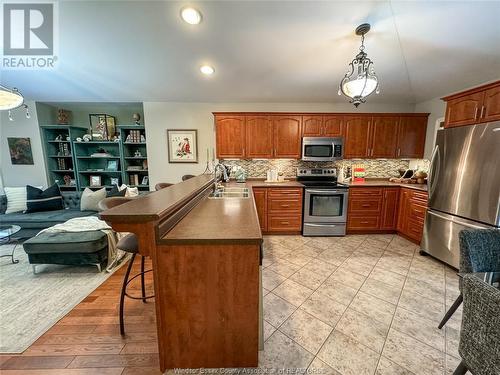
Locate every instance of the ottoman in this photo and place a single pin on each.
(75, 248)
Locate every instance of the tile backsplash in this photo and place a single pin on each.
(257, 168)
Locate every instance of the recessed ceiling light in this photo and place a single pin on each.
(207, 70)
(191, 15)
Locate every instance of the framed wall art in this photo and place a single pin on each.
(182, 146)
(102, 127)
(20, 151)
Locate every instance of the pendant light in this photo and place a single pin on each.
(360, 81)
(11, 99)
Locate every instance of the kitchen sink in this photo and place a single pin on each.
(230, 192)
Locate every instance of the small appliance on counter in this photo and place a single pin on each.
(325, 202)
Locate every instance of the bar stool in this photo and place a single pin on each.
(162, 185)
(130, 245)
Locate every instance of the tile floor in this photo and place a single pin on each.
(360, 304)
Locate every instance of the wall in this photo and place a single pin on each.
(161, 116)
(436, 107)
(20, 175)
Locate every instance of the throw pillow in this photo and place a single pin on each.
(114, 192)
(49, 199)
(130, 192)
(16, 199)
(89, 201)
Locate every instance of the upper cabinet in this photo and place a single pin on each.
(230, 136)
(411, 136)
(357, 137)
(384, 137)
(287, 136)
(322, 126)
(259, 137)
(481, 104)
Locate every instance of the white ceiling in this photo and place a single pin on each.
(265, 51)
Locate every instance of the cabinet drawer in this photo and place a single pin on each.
(282, 205)
(363, 223)
(366, 191)
(283, 223)
(417, 211)
(419, 196)
(414, 229)
(284, 193)
(365, 204)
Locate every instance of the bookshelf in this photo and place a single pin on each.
(60, 159)
(134, 155)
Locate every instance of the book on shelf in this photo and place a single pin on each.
(133, 179)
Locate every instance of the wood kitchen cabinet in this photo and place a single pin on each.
(411, 136)
(279, 209)
(287, 136)
(383, 137)
(390, 204)
(322, 126)
(260, 197)
(478, 105)
(259, 136)
(364, 208)
(357, 136)
(412, 209)
(230, 136)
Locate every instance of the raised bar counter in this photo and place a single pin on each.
(205, 254)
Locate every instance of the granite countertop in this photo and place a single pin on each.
(385, 182)
(218, 220)
(261, 183)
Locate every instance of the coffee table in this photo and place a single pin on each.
(6, 237)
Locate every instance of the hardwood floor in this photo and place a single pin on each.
(88, 341)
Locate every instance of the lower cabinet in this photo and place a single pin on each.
(387, 209)
(279, 209)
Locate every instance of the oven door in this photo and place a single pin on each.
(325, 206)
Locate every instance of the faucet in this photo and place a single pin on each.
(217, 184)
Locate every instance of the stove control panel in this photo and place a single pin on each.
(316, 172)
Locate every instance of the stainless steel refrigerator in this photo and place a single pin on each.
(464, 187)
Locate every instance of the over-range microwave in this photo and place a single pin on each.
(322, 148)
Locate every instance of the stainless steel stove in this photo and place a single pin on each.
(325, 202)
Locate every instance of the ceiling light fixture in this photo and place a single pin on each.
(12, 99)
(360, 81)
(191, 15)
(207, 70)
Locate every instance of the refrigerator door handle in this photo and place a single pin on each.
(455, 220)
(435, 166)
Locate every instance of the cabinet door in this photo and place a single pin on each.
(259, 137)
(312, 126)
(404, 201)
(230, 136)
(384, 137)
(332, 126)
(390, 209)
(260, 196)
(411, 137)
(491, 111)
(357, 136)
(287, 136)
(464, 110)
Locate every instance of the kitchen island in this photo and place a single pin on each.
(205, 254)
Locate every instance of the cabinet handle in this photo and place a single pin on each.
(364, 222)
(285, 223)
(399, 151)
(285, 205)
(482, 110)
(365, 205)
(475, 113)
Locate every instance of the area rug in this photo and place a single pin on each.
(31, 304)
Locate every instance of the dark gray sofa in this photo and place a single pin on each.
(33, 223)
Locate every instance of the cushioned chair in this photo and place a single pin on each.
(162, 185)
(187, 177)
(130, 245)
(479, 345)
(479, 252)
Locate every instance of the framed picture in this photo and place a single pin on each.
(115, 181)
(112, 165)
(95, 181)
(145, 180)
(20, 151)
(102, 127)
(182, 146)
